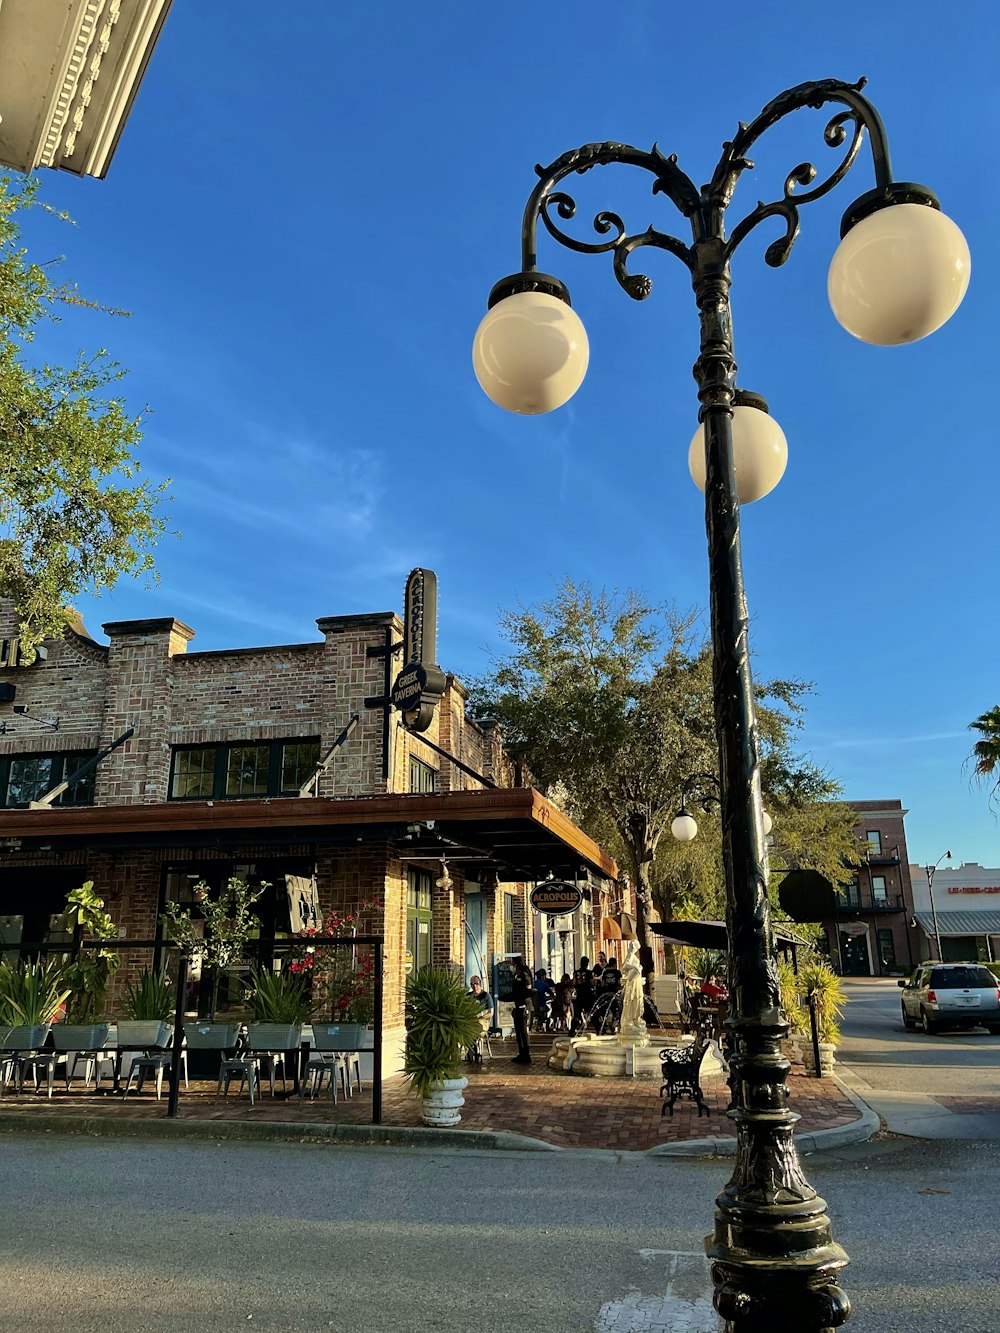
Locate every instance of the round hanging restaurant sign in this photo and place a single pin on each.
(557, 897)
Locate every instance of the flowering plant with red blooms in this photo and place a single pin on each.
(341, 976)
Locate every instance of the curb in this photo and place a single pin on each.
(268, 1131)
(819, 1140)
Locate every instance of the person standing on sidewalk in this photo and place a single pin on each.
(521, 995)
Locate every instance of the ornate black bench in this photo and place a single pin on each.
(681, 1067)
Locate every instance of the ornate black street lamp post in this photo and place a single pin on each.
(901, 270)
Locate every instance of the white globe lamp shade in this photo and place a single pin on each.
(530, 352)
(768, 824)
(760, 453)
(684, 828)
(899, 274)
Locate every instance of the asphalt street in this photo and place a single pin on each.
(904, 1075)
(123, 1235)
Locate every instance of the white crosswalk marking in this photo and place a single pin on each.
(682, 1303)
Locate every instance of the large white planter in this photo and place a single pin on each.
(24, 1038)
(441, 1107)
(211, 1036)
(274, 1036)
(80, 1036)
(143, 1034)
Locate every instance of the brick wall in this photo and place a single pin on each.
(146, 678)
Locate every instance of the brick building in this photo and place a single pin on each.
(871, 932)
(210, 783)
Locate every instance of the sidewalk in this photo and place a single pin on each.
(925, 1115)
(502, 1099)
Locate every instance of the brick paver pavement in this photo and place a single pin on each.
(562, 1109)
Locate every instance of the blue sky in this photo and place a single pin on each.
(305, 215)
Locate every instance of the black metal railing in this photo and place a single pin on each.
(184, 1012)
(856, 901)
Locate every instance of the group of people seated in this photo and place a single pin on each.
(563, 1006)
(704, 1000)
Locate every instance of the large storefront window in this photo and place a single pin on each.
(418, 917)
(271, 910)
(32, 903)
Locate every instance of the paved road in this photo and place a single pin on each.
(903, 1074)
(104, 1236)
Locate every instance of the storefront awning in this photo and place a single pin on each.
(960, 923)
(513, 831)
(714, 935)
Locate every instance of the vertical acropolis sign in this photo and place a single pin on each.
(420, 684)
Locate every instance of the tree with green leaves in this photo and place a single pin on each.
(986, 751)
(607, 699)
(74, 514)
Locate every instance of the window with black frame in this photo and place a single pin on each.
(242, 770)
(422, 777)
(26, 778)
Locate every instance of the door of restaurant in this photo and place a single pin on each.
(418, 917)
(475, 938)
(854, 958)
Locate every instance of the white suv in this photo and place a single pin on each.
(959, 995)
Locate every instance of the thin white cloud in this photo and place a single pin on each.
(881, 742)
(312, 494)
(237, 609)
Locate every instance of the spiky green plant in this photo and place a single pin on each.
(819, 980)
(150, 998)
(30, 994)
(442, 1022)
(278, 997)
(707, 963)
(791, 999)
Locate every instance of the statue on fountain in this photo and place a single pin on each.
(632, 1030)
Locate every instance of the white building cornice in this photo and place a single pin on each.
(69, 71)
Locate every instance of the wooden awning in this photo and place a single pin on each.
(514, 831)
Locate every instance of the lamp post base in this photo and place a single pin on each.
(774, 1260)
(759, 1295)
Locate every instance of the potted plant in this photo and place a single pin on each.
(340, 979)
(31, 994)
(819, 984)
(442, 1022)
(280, 1005)
(88, 973)
(148, 1004)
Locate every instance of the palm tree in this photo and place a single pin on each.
(986, 751)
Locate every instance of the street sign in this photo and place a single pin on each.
(557, 897)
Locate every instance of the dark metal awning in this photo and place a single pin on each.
(714, 935)
(513, 831)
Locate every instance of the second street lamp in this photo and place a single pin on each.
(901, 270)
(930, 872)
